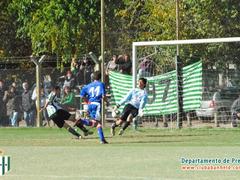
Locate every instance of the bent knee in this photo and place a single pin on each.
(99, 125)
(94, 123)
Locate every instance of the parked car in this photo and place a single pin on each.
(217, 103)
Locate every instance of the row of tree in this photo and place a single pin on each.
(69, 28)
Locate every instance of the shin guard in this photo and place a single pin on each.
(73, 132)
(125, 125)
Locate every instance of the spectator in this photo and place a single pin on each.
(28, 105)
(229, 83)
(69, 80)
(12, 101)
(125, 64)
(111, 66)
(74, 66)
(68, 98)
(2, 104)
(47, 84)
(86, 68)
(14, 84)
(43, 98)
(235, 110)
(146, 66)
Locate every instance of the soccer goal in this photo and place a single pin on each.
(196, 87)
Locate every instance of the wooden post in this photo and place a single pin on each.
(102, 58)
(179, 86)
(165, 124)
(189, 122)
(216, 119)
(38, 89)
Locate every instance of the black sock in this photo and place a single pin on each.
(82, 128)
(125, 125)
(72, 131)
(114, 125)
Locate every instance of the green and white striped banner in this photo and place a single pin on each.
(4, 164)
(162, 91)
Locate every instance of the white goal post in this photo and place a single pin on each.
(171, 42)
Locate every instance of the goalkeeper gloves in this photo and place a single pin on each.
(115, 112)
(116, 107)
(140, 112)
(238, 115)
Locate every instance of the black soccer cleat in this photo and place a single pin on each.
(77, 137)
(120, 133)
(88, 133)
(104, 142)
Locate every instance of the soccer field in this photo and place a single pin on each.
(50, 153)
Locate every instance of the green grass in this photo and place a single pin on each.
(50, 153)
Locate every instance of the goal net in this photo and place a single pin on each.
(196, 88)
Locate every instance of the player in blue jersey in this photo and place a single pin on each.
(136, 100)
(93, 94)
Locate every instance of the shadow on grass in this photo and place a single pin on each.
(146, 142)
(177, 135)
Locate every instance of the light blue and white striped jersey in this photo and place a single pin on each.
(136, 97)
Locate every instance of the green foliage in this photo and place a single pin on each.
(147, 21)
(10, 45)
(155, 20)
(211, 19)
(58, 26)
(68, 28)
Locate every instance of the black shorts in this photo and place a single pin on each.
(128, 109)
(59, 117)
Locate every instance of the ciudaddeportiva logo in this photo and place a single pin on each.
(4, 163)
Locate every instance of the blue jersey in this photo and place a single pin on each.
(94, 91)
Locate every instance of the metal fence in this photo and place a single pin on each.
(15, 72)
(210, 86)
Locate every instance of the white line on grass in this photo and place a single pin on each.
(76, 176)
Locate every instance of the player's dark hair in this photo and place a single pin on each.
(144, 81)
(97, 75)
(56, 88)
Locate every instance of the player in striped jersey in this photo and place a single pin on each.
(57, 112)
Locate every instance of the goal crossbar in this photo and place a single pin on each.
(190, 41)
(172, 42)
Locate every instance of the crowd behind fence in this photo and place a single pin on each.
(18, 85)
(218, 100)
